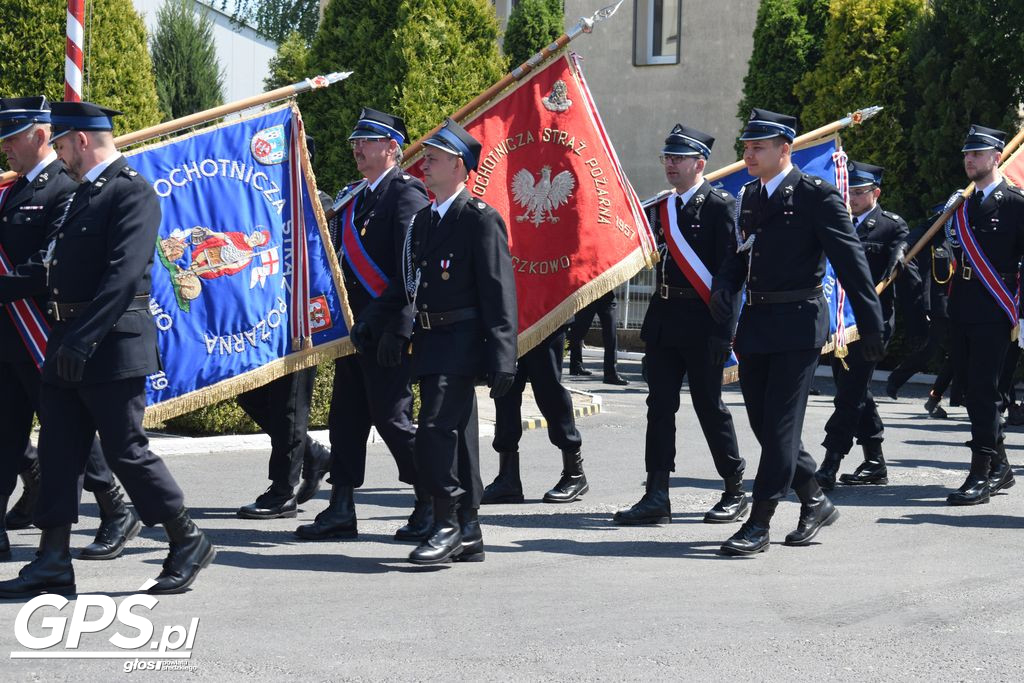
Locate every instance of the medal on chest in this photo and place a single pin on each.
(445, 265)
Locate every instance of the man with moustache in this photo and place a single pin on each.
(695, 233)
(788, 223)
(371, 388)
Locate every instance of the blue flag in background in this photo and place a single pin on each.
(244, 279)
(815, 160)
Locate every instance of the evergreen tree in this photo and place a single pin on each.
(532, 25)
(118, 70)
(865, 62)
(289, 64)
(188, 75)
(276, 19)
(788, 41)
(419, 59)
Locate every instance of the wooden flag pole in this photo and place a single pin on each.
(926, 239)
(201, 117)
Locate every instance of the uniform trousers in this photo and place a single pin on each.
(542, 367)
(70, 418)
(364, 395)
(855, 414)
(281, 409)
(604, 309)
(775, 388)
(448, 438)
(980, 350)
(666, 368)
(918, 359)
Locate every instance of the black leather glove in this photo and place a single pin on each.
(719, 350)
(389, 350)
(895, 263)
(721, 306)
(500, 383)
(872, 347)
(70, 364)
(361, 336)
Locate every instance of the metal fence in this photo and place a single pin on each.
(633, 298)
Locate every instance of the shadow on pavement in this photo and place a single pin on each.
(674, 549)
(973, 521)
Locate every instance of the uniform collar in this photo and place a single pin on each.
(443, 207)
(34, 173)
(991, 188)
(857, 220)
(98, 169)
(774, 183)
(375, 183)
(688, 195)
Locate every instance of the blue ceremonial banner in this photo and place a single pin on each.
(816, 160)
(246, 286)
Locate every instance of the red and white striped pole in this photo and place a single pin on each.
(73, 55)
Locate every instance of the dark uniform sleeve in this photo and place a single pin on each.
(492, 267)
(723, 211)
(411, 199)
(908, 287)
(29, 277)
(131, 240)
(835, 232)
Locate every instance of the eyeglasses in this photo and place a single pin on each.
(672, 159)
(861, 192)
(359, 142)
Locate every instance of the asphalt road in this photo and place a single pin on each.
(902, 587)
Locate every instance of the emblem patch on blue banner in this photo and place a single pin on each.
(269, 145)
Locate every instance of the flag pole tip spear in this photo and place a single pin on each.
(586, 24)
(329, 79)
(862, 115)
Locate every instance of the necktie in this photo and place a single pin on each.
(435, 218)
(763, 196)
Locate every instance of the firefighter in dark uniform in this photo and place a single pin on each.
(30, 211)
(368, 389)
(542, 367)
(982, 329)
(604, 308)
(458, 276)
(789, 222)
(101, 348)
(681, 338)
(883, 236)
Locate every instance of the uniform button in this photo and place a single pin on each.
(757, 253)
(59, 235)
(424, 284)
(56, 291)
(758, 231)
(753, 277)
(423, 263)
(54, 262)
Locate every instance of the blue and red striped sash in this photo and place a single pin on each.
(28, 319)
(980, 265)
(368, 272)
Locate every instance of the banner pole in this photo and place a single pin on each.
(74, 51)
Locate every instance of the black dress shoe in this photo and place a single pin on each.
(275, 503)
(578, 370)
(190, 552)
(826, 474)
(445, 540)
(654, 507)
(752, 537)
(507, 487)
(119, 523)
(336, 521)
(816, 511)
(975, 489)
(421, 521)
(50, 572)
(615, 379)
(315, 463)
(20, 515)
(573, 482)
(472, 538)
(934, 409)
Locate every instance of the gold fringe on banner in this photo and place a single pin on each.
(307, 355)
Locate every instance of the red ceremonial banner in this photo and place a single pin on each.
(576, 226)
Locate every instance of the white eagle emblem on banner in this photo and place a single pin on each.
(540, 197)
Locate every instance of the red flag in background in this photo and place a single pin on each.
(576, 227)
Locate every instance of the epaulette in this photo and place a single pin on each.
(129, 172)
(890, 214)
(813, 179)
(1015, 189)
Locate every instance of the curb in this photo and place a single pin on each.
(579, 411)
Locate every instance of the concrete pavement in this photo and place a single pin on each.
(902, 587)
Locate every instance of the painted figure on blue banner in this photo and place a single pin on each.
(883, 236)
(457, 276)
(371, 389)
(101, 348)
(788, 223)
(30, 210)
(695, 234)
(987, 236)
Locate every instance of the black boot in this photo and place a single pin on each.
(826, 474)
(934, 409)
(20, 516)
(816, 511)
(472, 537)
(752, 538)
(872, 470)
(118, 525)
(445, 540)
(975, 489)
(615, 378)
(653, 508)
(732, 504)
(506, 487)
(578, 370)
(191, 551)
(573, 482)
(337, 520)
(277, 502)
(5, 543)
(892, 389)
(315, 464)
(50, 572)
(1000, 474)
(421, 521)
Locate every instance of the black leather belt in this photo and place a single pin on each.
(666, 292)
(429, 321)
(61, 311)
(967, 273)
(787, 297)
